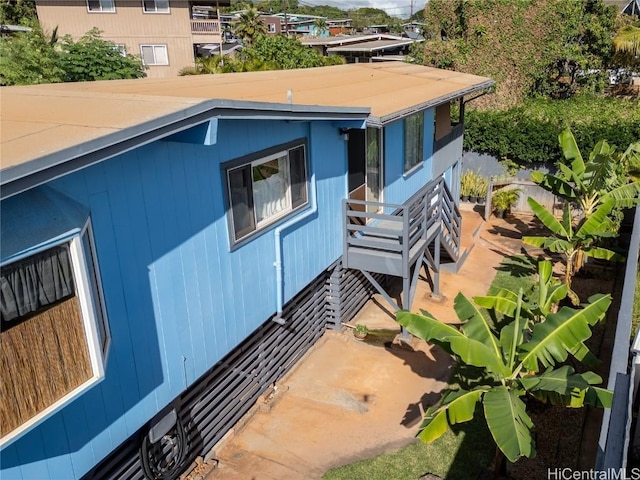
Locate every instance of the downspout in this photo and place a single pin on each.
(278, 244)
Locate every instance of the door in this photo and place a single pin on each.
(365, 166)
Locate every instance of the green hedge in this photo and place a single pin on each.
(529, 133)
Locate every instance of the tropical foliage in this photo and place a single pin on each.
(266, 53)
(17, 12)
(596, 186)
(591, 182)
(29, 58)
(92, 58)
(526, 46)
(249, 26)
(627, 46)
(522, 356)
(33, 57)
(574, 242)
(528, 133)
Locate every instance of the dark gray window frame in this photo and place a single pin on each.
(101, 9)
(413, 142)
(226, 167)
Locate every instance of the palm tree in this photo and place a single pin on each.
(627, 46)
(249, 26)
(627, 40)
(320, 26)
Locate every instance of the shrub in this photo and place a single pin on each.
(529, 133)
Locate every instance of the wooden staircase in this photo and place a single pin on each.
(400, 240)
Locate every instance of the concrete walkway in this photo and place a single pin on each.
(348, 400)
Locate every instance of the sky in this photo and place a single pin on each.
(397, 8)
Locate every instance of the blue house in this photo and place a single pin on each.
(170, 247)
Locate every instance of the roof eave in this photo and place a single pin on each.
(392, 117)
(38, 171)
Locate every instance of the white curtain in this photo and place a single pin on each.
(270, 194)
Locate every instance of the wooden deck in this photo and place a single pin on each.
(402, 241)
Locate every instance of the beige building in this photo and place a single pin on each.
(164, 33)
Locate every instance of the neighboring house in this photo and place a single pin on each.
(164, 33)
(414, 30)
(171, 247)
(273, 23)
(339, 26)
(298, 24)
(362, 48)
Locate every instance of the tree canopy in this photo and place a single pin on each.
(17, 12)
(527, 46)
(266, 53)
(92, 58)
(33, 57)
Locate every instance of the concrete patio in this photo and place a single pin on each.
(348, 400)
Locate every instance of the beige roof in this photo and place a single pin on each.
(74, 118)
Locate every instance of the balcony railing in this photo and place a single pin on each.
(205, 27)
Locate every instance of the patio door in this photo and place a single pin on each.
(365, 165)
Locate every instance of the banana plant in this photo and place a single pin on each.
(541, 300)
(573, 242)
(604, 176)
(518, 360)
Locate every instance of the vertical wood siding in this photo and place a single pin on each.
(398, 186)
(177, 299)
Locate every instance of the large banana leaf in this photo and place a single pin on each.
(457, 406)
(571, 151)
(562, 332)
(470, 351)
(563, 380)
(554, 184)
(553, 244)
(598, 397)
(625, 196)
(548, 219)
(476, 326)
(603, 254)
(509, 423)
(594, 225)
(502, 301)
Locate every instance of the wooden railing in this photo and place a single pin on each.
(451, 221)
(205, 27)
(390, 242)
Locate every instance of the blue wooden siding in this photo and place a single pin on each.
(177, 298)
(398, 185)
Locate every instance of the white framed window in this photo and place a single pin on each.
(154, 54)
(413, 141)
(264, 187)
(271, 28)
(55, 336)
(101, 6)
(155, 6)
(121, 48)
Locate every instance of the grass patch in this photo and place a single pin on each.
(462, 452)
(515, 272)
(456, 455)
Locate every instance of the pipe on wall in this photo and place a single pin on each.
(278, 246)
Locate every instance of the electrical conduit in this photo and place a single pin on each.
(278, 244)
